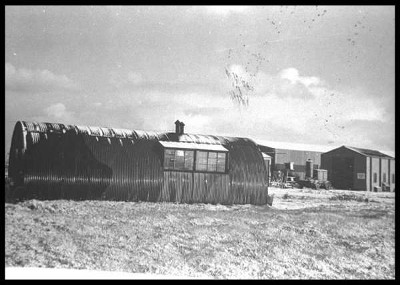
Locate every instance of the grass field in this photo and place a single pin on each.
(306, 234)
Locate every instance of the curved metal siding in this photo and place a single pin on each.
(78, 162)
(247, 172)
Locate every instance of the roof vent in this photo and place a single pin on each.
(179, 127)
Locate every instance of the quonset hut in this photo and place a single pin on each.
(57, 161)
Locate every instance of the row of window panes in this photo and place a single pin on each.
(205, 160)
(383, 178)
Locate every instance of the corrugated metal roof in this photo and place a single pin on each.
(368, 152)
(197, 146)
(202, 139)
(294, 146)
(125, 165)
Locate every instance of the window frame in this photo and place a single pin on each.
(167, 168)
(194, 163)
(216, 164)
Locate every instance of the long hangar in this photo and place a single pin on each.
(295, 155)
(57, 161)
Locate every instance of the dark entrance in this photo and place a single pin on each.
(342, 172)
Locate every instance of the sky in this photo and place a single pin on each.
(319, 75)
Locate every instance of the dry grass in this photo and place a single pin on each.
(308, 235)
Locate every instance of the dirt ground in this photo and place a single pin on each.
(305, 234)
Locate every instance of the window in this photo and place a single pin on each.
(210, 161)
(384, 178)
(375, 177)
(201, 160)
(393, 178)
(221, 162)
(177, 159)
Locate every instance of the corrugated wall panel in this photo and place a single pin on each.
(77, 162)
(177, 187)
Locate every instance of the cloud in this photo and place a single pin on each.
(126, 80)
(36, 80)
(226, 10)
(292, 74)
(276, 111)
(135, 78)
(287, 83)
(56, 113)
(291, 106)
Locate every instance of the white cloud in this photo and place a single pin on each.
(135, 78)
(226, 10)
(293, 106)
(292, 74)
(125, 80)
(57, 112)
(275, 111)
(36, 80)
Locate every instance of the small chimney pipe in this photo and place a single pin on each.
(179, 127)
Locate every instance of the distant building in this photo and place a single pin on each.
(290, 155)
(359, 169)
(267, 161)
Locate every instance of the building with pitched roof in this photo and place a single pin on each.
(282, 154)
(355, 168)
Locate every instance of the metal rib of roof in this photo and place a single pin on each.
(201, 139)
(196, 146)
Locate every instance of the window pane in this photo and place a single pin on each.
(189, 159)
(169, 158)
(212, 161)
(201, 160)
(179, 159)
(221, 162)
(212, 155)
